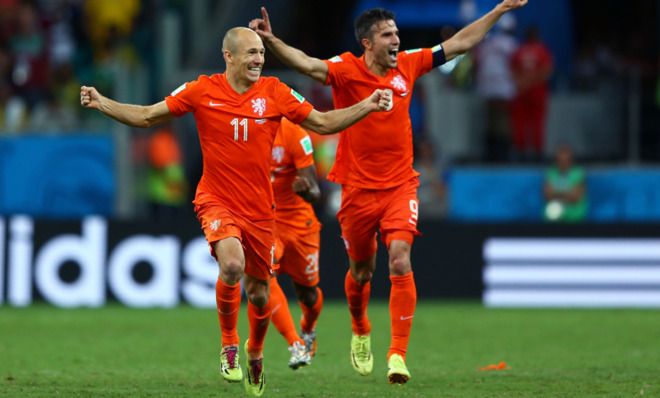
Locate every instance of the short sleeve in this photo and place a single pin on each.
(299, 145)
(185, 98)
(416, 62)
(291, 104)
(336, 69)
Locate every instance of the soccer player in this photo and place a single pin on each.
(374, 163)
(238, 113)
(298, 239)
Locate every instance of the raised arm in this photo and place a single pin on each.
(468, 37)
(306, 186)
(292, 57)
(337, 120)
(132, 115)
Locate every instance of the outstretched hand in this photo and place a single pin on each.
(508, 5)
(262, 25)
(89, 97)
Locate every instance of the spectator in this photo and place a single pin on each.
(27, 47)
(496, 86)
(13, 112)
(110, 20)
(531, 66)
(565, 189)
(51, 116)
(166, 182)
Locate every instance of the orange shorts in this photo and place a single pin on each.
(297, 255)
(256, 238)
(364, 212)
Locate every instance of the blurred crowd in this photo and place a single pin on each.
(47, 47)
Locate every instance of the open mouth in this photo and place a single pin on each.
(254, 70)
(392, 54)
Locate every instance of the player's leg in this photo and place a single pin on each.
(224, 236)
(357, 285)
(310, 299)
(302, 265)
(283, 322)
(259, 252)
(399, 227)
(258, 314)
(258, 318)
(280, 314)
(403, 300)
(285, 254)
(230, 256)
(358, 218)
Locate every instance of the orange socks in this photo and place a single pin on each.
(259, 319)
(228, 301)
(280, 314)
(311, 314)
(403, 299)
(358, 300)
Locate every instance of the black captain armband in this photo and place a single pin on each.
(438, 55)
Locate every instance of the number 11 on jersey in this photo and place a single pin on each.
(244, 124)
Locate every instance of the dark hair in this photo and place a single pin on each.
(365, 21)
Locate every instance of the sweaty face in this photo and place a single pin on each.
(248, 59)
(385, 43)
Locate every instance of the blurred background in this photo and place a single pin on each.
(538, 151)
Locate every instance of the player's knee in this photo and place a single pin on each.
(307, 295)
(231, 270)
(400, 265)
(363, 275)
(362, 271)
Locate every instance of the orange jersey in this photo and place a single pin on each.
(376, 152)
(292, 150)
(236, 134)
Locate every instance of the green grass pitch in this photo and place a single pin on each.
(119, 352)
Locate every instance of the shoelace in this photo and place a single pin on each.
(231, 356)
(297, 349)
(362, 351)
(256, 367)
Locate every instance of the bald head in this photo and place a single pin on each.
(243, 52)
(235, 36)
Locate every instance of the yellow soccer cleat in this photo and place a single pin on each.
(255, 382)
(361, 358)
(397, 372)
(230, 369)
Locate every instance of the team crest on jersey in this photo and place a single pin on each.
(278, 154)
(399, 84)
(214, 225)
(259, 106)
